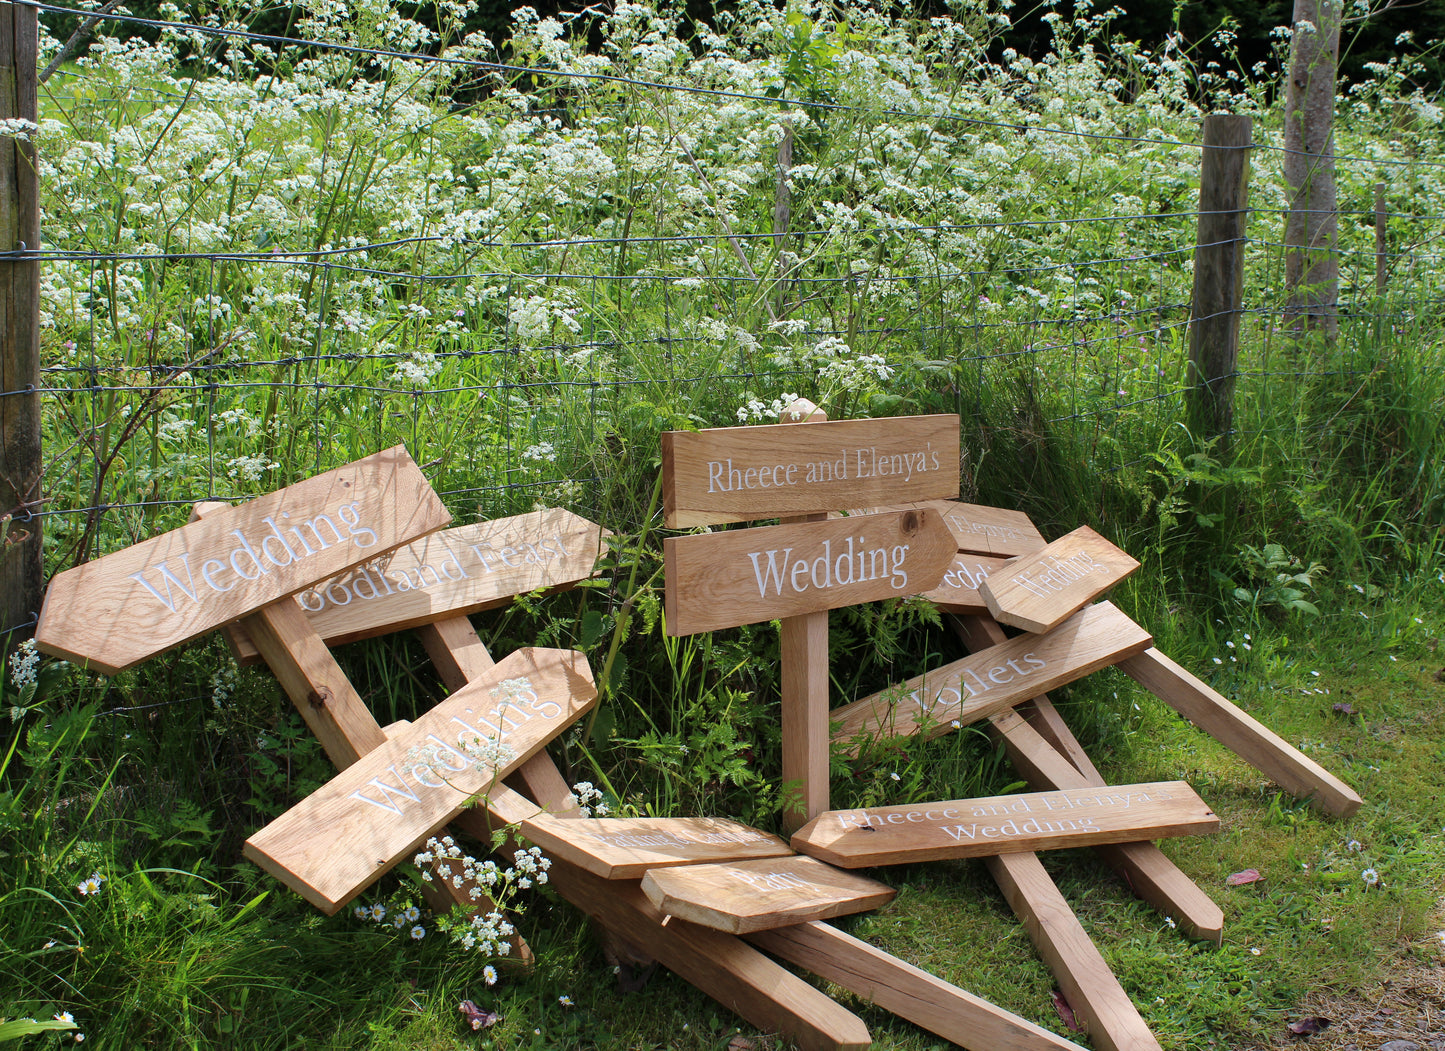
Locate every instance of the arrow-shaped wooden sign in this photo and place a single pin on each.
(745, 896)
(448, 574)
(1038, 592)
(993, 679)
(352, 829)
(117, 611)
(970, 828)
(722, 580)
(627, 847)
(742, 474)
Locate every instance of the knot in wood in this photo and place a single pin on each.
(318, 697)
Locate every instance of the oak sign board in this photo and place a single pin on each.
(722, 580)
(115, 612)
(981, 530)
(745, 896)
(970, 828)
(351, 830)
(958, 591)
(1038, 592)
(742, 474)
(627, 847)
(448, 574)
(992, 679)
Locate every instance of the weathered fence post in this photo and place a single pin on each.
(1312, 230)
(20, 538)
(1218, 274)
(1382, 230)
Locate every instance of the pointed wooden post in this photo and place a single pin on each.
(803, 651)
(20, 449)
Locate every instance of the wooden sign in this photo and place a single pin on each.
(741, 474)
(1040, 591)
(447, 574)
(969, 828)
(958, 591)
(993, 679)
(721, 580)
(744, 896)
(625, 848)
(112, 613)
(983, 530)
(344, 835)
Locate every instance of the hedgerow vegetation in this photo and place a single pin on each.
(267, 258)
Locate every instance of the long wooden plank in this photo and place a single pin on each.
(1241, 733)
(112, 613)
(906, 990)
(758, 895)
(1046, 753)
(448, 574)
(744, 576)
(627, 847)
(346, 834)
(1031, 821)
(1040, 591)
(742, 474)
(722, 965)
(992, 680)
(1097, 998)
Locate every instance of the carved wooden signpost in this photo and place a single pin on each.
(992, 531)
(112, 613)
(1038, 592)
(340, 838)
(970, 828)
(798, 470)
(742, 474)
(448, 574)
(745, 896)
(722, 580)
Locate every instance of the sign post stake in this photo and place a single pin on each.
(803, 651)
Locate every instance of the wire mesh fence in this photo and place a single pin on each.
(264, 256)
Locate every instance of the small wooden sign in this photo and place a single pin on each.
(721, 580)
(1038, 592)
(448, 574)
(354, 828)
(112, 613)
(993, 679)
(742, 474)
(980, 530)
(958, 592)
(745, 896)
(625, 848)
(969, 828)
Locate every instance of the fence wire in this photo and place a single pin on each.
(539, 367)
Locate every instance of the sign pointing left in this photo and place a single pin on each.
(115, 612)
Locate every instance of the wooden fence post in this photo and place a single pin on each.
(1382, 230)
(1218, 275)
(20, 467)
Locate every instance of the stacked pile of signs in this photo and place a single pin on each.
(342, 556)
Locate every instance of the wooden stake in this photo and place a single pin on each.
(1048, 755)
(905, 990)
(1242, 734)
(804, 656)
(1091, 989)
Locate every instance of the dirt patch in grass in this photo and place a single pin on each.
(1406, 1013)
